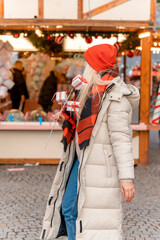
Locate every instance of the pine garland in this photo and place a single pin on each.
(49, 45)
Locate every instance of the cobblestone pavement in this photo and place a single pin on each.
(23, 198)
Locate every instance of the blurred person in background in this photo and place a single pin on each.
(47, 91)
(19, 92)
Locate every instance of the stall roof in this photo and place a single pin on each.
(104, 15)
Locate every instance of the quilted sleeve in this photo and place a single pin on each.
(120, 132)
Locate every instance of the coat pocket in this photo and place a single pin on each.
(107, 161)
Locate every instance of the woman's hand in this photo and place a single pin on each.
(127, 190)
(58, 117)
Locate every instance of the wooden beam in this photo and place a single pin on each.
(103, 8)
(28, 160)
(79, 23)
(153, 127)
(1, 8)
(40, 8)
(153, 4)
(124, 67)
(145, 96)
(80, 9)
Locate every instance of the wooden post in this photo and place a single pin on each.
(145, 96)
(1, 8)
(80, 9)
(40, 8)
(153, 11)
(124, 68)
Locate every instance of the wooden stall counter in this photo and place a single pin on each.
(25, 142)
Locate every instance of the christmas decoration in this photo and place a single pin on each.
(49, 38)
(78, 82)
(137, 52)
(73, 106)
(16, 35)
(132, 41)
(59, 39)
(14, 115)
(3, 92)
(108, 35)
(71, 34)
(118, 46)
(45, 45)
(8, 46)
(89, 39)
(61, 97)
(34, 66)
(5, 66)
(156, 113)
(130, 54)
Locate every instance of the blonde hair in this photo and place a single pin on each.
(93, 78)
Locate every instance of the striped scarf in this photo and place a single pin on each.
(88, 115)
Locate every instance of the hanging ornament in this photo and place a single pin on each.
(49, 37)
(118, 46)
(71, 34)
(108, 35)
(96, 36)
(137, 52)
(16, 35)
(59, 39)
(139, 67)
(130, 54)
(89, 39)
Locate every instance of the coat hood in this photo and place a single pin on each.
(128, 90)
(134, 97)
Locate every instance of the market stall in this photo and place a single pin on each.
(48, 27)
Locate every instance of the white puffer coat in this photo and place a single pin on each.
(106, 160)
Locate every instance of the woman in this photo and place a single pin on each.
(97, 162)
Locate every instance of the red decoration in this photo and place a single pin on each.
(89, 39)
(130, 54)
(49, 38)
(96, 36)
(71, 35)
(59, 39)
(137, 52)
(118, 46)
(139, 67)
(108, 35)
(16, 35)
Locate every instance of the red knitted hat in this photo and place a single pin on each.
(101, 57)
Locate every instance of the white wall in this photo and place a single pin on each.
(60, 9)
(131, 10)
(20, 8)
(30, 144)
(67, 9)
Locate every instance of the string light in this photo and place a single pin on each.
(145, 34)
(38, 32)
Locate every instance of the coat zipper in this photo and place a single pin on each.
(79, 178)
(58, 192)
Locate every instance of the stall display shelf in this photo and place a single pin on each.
(28, 126)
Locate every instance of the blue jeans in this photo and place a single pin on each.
(69, 202)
